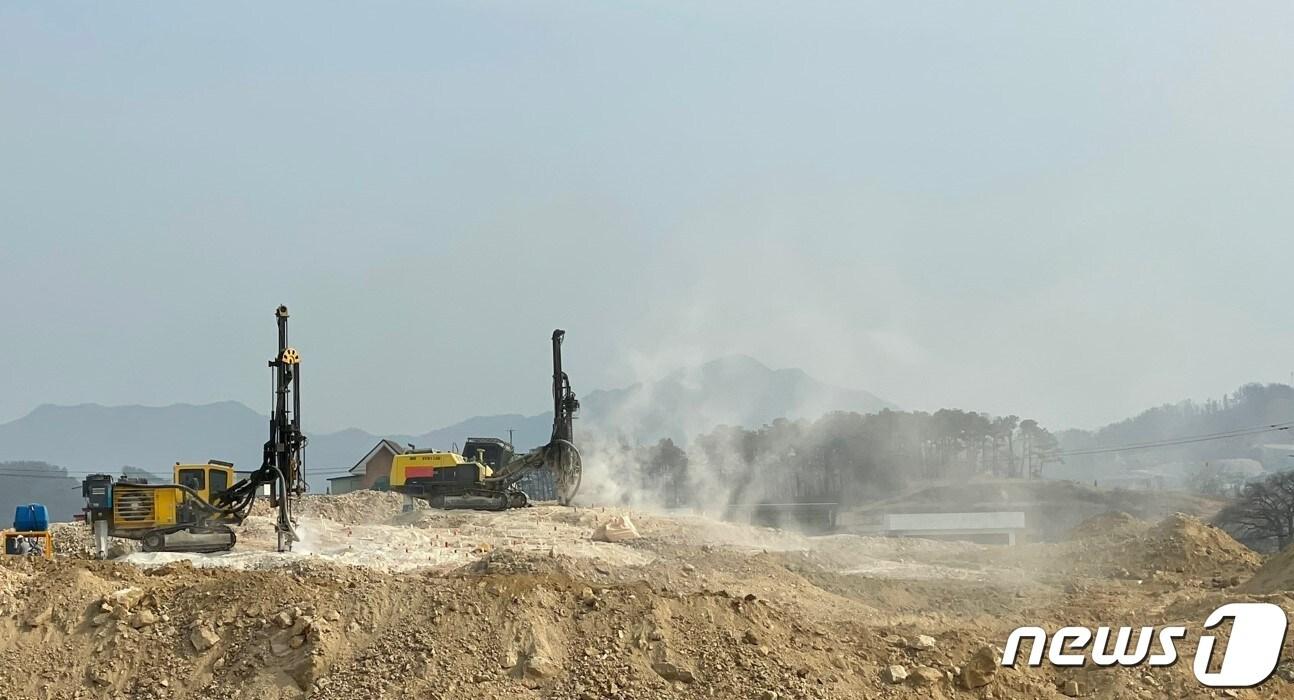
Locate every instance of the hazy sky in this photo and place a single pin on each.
(1059, 209)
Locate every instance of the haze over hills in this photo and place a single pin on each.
(44, 455)
(734, 390)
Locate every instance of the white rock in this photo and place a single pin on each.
(921, 642)
(894, 674)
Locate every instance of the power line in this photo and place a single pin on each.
(1183, 441)
(1187, 440)
(32, 475)
(1169, 443)
(52, 468)
(81, 475)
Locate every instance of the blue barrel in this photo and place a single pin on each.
(31, 518)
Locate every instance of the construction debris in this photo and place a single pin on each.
(618, 529)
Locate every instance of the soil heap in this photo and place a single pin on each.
(526, 604)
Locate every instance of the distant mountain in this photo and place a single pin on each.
(734, 390)
(106, 438)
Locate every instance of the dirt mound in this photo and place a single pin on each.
(75, 540)
(524, 604)
(11, 583)
(72, 538)
(1110, 524)
(354, 508)
(1181, 544)
(1275, 576)
(110, 630)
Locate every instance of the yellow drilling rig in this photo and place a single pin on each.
(195, 511)
(484, 476)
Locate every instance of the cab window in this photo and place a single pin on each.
(193, 478)
(219, 480)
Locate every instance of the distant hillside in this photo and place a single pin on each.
(39, 482)
(1240, 415)
(733, 391)
(92, 438)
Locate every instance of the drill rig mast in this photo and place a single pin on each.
(281, 462)
(473, 480)
(563, 458)
(559, 456)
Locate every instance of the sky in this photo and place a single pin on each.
(1071, 211)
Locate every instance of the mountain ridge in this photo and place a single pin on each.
(736, 390)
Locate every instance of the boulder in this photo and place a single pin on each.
(894, 673)
(673, 672)
(921, 642)
(203, 638)
(143, 618)
(980, 669)
(925, 676)
(124, 598)
(618, 529)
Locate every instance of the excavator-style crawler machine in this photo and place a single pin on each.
(194, 513)
(485, 475)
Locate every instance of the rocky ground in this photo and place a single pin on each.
(528, 604)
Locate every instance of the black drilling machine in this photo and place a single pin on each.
(488, 474)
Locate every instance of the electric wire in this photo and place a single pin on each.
(1185, 440)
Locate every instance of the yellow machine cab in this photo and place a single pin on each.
(206, 479)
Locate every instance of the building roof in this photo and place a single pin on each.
(348, 476)
(390, 445)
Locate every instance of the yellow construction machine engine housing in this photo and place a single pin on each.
(176, 517)
(450, 480)
(137, 509)
(435, 466)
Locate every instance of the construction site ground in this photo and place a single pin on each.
(379, 603)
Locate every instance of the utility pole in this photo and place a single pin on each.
(510, 442)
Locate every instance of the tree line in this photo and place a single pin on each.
(844, 456)
(859, 457)
(1249, 406)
